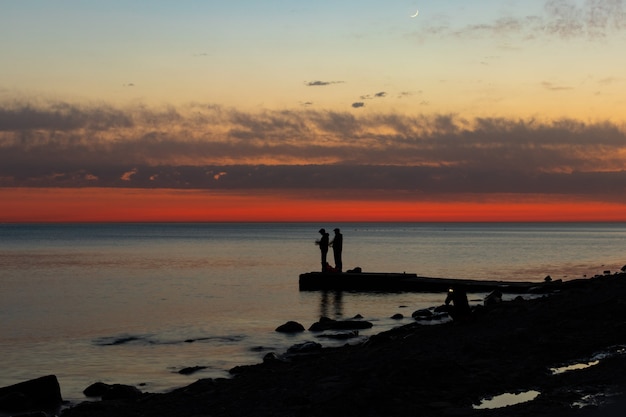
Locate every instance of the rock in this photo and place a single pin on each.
(43, 392)
(121, 392)
(112, 392)
(493, 297)
(329, 324)
(422, 313)
(191, 369)
(340, 336)
(290, 327)
(305, 347)
(397, 316)
(96, 389)
(271, 357)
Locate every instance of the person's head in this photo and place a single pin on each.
(336, 230)
(322, 231)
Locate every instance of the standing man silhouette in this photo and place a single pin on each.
(323, 244)
(337, 245)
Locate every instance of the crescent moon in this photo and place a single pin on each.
(416, 13)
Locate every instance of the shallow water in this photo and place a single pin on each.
(135, 303)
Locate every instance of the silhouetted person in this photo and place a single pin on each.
(458, 297)
(323, 244)
(337, 245)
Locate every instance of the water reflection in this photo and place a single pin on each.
(331, 300)
(507, 399)
(573, 367)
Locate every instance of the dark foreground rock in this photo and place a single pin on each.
(440, 370)
(37, 394)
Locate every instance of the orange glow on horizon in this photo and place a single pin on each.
(59, 205)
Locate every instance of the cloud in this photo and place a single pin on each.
(380, 94)
(321, 83)
(565, 19)
(208, 146)
(552, 87)
(358, 104)
(128, 176)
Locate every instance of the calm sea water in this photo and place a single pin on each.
(136, 303)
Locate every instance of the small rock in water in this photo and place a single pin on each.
(422, 313)
(397, 316)
(328, 324)
(290, 327)
(191, 369)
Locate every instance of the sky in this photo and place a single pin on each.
(344, 110)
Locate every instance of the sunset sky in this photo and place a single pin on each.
(242, 110)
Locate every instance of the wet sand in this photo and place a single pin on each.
(441, 370)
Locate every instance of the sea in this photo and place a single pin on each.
(139, 303)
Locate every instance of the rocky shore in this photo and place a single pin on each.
(440, 370)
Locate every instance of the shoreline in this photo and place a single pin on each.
(435, 370)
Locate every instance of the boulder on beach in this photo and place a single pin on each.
(96, 389)
(39, 393)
